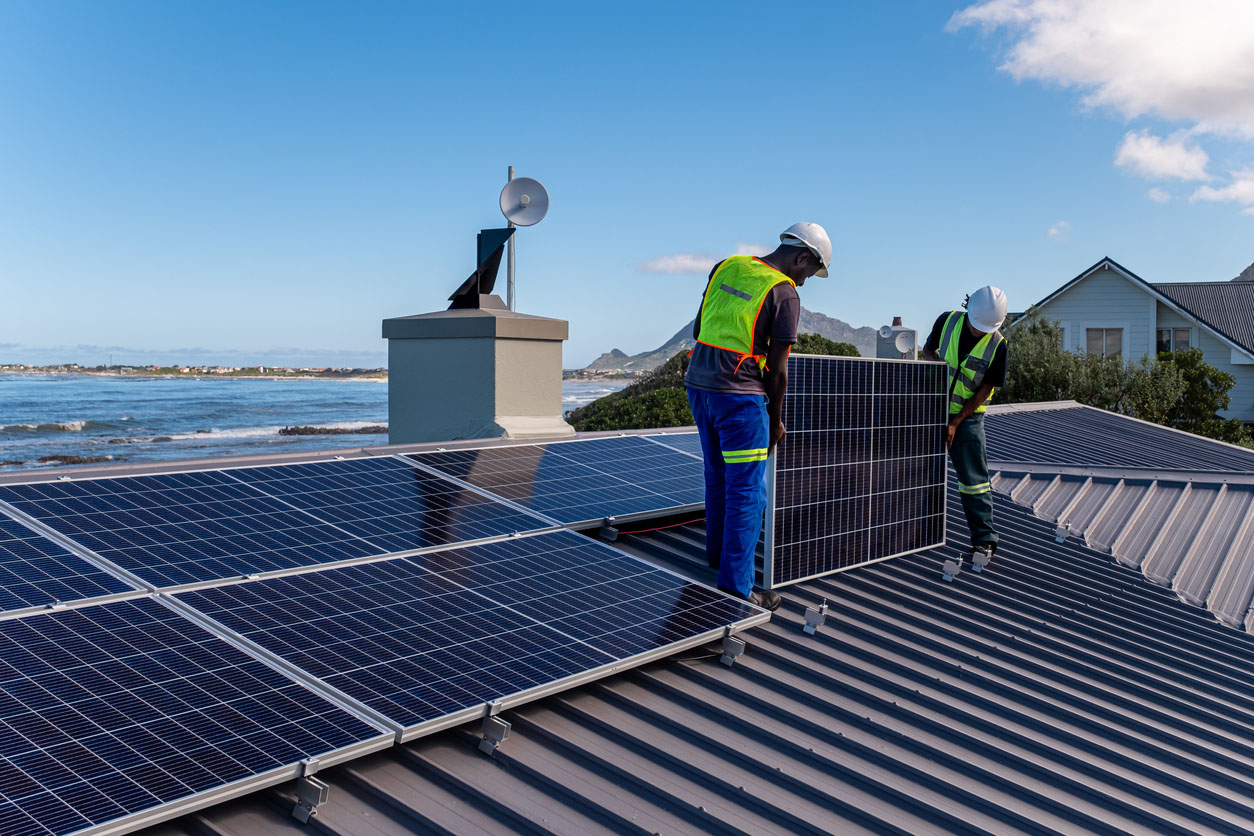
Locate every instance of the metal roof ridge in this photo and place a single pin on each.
(1114, 473)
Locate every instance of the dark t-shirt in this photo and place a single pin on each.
(715, 369)
(996, 374)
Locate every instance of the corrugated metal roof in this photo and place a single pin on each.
(1056, 693)
(1177, 507)
(1071, 434)
(1227, 307)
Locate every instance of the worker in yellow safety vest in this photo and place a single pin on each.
(970, 342)
(736, 379)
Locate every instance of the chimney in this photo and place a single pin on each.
(896, 322)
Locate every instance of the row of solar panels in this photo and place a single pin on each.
(311, 613)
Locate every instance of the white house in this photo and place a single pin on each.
(1110, 310)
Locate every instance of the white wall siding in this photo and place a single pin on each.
(1219, 354)
(1106, 300)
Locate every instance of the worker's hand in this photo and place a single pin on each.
(777, 434)
(950, 429)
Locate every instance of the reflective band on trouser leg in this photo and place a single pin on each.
(983, 487)
(734, 456)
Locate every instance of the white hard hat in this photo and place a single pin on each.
(986, 309)
(814, 238)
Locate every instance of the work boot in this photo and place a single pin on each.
(767, 599)
(981, 554)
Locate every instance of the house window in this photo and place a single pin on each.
(1173, 339)
(1107, 342)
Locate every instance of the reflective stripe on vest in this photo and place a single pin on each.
(729, 312)
(967, 373)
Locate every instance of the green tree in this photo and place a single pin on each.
(1039, 368)
(814, 344)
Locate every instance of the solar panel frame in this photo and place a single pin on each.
(571, 453)
(684, 442)
(197, 604)
(859, 463)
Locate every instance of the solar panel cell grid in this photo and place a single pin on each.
(113, 710)
(860, 475)
(35, 571)
(421, 638)
(583, 481)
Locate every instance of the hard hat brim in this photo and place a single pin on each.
(982, 326)
(822, 274)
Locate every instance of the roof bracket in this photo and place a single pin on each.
(951, 569)
(311, 793)
(733, 648)
(815, 617)
(608, 532)
(1060, 534)
(495, 730)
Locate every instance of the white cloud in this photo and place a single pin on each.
(1184, 62)
(1154, 157)
(1240, 190)
(696, 263)
(1060, 231)
(1159, 195)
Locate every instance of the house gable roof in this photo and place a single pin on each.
(1205, 307)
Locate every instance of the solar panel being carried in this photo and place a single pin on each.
(860, 475)
(185, 528)
(580, 483)
(428, 641)
(36, 572)
(124, 714)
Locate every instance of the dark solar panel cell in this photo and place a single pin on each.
(686, 442)
(138, 707)
(35, 571)
(424, 637)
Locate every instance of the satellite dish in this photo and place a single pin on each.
(905, 342)
(524, 201)
(886, 331)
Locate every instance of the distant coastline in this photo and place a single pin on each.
(197, 372)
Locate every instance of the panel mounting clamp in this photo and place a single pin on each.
(815, 617)
(608, 532)
(733, 648)
(951, 569)
(495, 730)
(311, 793)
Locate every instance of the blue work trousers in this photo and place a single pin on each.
(971, 464)
(734, 438)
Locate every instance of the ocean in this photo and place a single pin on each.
(136, 419)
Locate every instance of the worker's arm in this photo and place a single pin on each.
(930, 354)
(776, 384)
(968, 409)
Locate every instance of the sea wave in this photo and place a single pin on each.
(54, 427)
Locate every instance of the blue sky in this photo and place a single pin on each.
(267, 181)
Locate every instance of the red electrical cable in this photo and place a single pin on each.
(661, 527)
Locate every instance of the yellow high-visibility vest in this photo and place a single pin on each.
(966, 373)
(729, 312)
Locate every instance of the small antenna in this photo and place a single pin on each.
(524, 202)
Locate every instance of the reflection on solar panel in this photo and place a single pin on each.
(393, 505)
(34, 571)
(428, 640)
(861, 474)
(687, 442)
(185, 528)
(115, 710)
(580, 482)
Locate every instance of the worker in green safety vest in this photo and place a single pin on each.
(970, 342)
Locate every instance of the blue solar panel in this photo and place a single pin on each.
(581, 481)
(184, 528)
(685, 442)
(115, 710)
(419, 639)
(860, 476)
(35, 571)
(390, 503)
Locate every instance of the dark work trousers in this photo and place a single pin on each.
(970, 461)
(734, 441)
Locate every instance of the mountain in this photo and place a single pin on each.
(810, 323)
(1247, 275)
